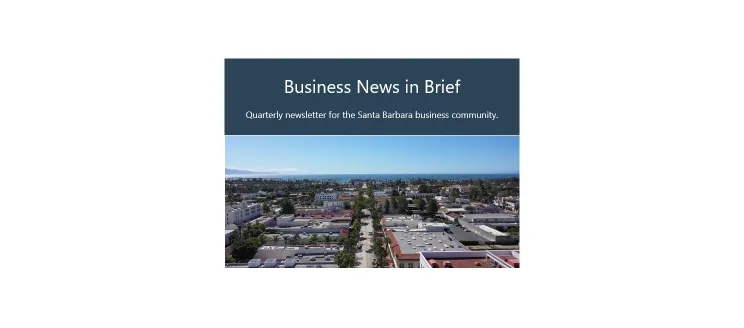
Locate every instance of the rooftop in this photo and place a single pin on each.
(473, 262)
(410, 242)
(472, 259)
(282, 252)
(492, 230)
(498, 216)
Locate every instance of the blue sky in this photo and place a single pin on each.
(373, 154)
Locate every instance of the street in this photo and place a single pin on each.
(364, 257)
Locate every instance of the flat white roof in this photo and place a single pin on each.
(492, 230)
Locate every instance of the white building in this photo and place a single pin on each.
(333, 203)
(380, 193)
(322, 196)
(420, 194)
(433, 226)
(241, 213)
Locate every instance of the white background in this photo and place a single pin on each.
(113, 157)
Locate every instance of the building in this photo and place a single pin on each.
(470, 259)
(250, 196)
(241, 213)
(406, 244)
(453, 213)
(415, 195)
(475, 222)
(462, 188)
(227, 236)
(401, 221)
(492, 218)
(433, 226)
(322, 196)
(291, 257)
(290, 224)
(511, 203)
(333, 203)
(379, 193)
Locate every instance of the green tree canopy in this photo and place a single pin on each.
(244, 249)
(432, 206)
(287, 207)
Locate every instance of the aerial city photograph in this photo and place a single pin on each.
(372, 202)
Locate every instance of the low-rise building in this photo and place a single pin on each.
(470, 259)
(291, 257)
(322, 196)
(406, 244)
(415, 195)
(242, 212)
(333, 203)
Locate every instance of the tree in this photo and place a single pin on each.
(341, 241)
(229, 259)
(387, 206)
(357, 226)
(244, 249)
(286, 239)
(287, 207)
(263, 239)
(394, 193)
(403, 203)
(454, 194)
(275, 239)
(347, 205)
(395, 204)
(474, 193)
(327, 239)
(345, 260)
(513, 231)
(380, 252)
(296, 239)
(432, 206)
(420, 204)
(314, 239)
(235, 236)
(266, 207)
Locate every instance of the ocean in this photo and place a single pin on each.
(348, 177)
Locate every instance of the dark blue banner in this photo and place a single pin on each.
(372, 96)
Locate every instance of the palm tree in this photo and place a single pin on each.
(275, 239)
(313, 239)
(345, 260)
(327, 239)
(286, 239)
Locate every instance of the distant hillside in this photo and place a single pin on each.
(237, 171)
